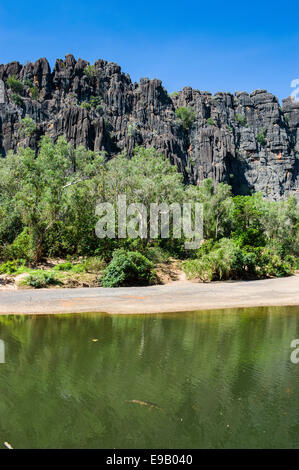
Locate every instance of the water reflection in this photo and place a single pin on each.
(217, 379)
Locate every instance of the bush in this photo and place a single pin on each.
(63, 266)
(79, 268)
(211, 122)
(27, 127)
(68, 266)
(90, 71)
(27, 82)
(128, 268)
(94, 102)
(260, 138)
(224, 261)
(132, 129)
(157, 254)
(271, 263)
(228, 260)
(241, 119)
(41, 279)
(34, 92)
(14, 84)
(17, 99)
(22, 247)
(94, 265)
(11, 267)
(86, 105)
(186, 116)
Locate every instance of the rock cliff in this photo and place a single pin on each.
(246, 140)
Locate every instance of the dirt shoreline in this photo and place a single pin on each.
(178, 296)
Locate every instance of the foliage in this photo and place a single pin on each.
(34, 92)
(128, 268)
(41, 279)
(86, 105)
(94, 102)
(224, 261)
(11, 267)
(14, 84)
(94, 264)
(90, 71)
(272, 263)
(67, 266)
(27, 127)
(241, 119)
(174, 94)
(217, 206)
(186, 116)
(47, 208)
(261, 137)
(132, 129)
(17, 99)
(21, 248)
(211, 122)
(156, 254)
(52, 193)
(27, 82)
(228, 260)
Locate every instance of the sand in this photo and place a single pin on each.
(178, 296)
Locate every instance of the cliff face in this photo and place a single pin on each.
(248, 141)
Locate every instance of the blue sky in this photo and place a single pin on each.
(215, 46)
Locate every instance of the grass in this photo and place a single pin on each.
(41, 279)
(68, 274)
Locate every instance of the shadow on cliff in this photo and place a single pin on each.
(236, 170)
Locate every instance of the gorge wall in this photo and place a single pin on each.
(246, 140)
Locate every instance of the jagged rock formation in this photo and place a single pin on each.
(248, 141)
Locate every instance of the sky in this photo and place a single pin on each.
(208, 45)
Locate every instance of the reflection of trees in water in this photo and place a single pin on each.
(2, 351)
(221, 379)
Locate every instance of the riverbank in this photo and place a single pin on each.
(179, 296)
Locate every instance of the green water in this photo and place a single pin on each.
(218, 380)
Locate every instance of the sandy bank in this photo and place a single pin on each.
(175, 297)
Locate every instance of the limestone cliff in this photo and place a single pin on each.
(246, 140)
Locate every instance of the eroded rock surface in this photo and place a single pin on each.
(246, 140)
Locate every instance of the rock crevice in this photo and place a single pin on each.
(246, 140)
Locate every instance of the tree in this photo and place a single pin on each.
(186, 116)
(45, 190)
(14, 84)
(217, 205)
(27, 127)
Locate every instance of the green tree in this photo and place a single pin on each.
(50, 189)
(34, 92)
(128, 268)
(17, 99)
(14, 84)
(186, 116)
(241, 119)
(90, 71)
(261, 137)
(27, 127)
(211, 122)
(217, 206)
